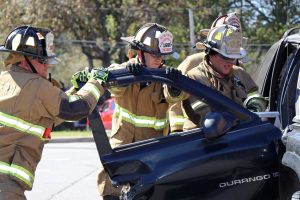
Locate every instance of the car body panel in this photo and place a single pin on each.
(187, 166)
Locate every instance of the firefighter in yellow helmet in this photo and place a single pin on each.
(30, 106)
(219, 70)
(176, 115)
(141, 108)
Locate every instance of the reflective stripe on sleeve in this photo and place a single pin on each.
(92, 89)
(72, 98)
(141, 121)
(177, 120)
(21, 125)
(17, 171)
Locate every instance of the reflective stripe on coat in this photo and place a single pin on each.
(28, 105)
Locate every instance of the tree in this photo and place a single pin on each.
(96, 26)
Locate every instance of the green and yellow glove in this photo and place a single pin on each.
(255, 102)
(99, 74)
(79, 79)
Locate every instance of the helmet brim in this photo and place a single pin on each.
(203, 46)
(128, 39)
(241, 55)
(50, 60)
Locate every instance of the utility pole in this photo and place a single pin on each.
(192, 32)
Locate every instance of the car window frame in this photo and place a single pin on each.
(287, 95)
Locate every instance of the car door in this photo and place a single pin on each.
(241, 163)
(278, 76)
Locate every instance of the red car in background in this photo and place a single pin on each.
(106, 111)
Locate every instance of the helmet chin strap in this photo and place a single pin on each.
(143, 58)
(162, 63)
(30, 65)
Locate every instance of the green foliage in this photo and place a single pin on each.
(88, 31)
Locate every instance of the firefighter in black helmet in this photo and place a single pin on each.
(141, 108)
(30, 106)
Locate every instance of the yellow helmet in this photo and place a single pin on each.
(226, 40)
(229, 19)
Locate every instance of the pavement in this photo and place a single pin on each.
(67, 170)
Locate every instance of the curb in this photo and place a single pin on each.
(71, 140)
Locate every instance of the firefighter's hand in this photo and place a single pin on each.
(256, 106)
(173, 91)
(99, 74)
(172, 72)
(135, 68)
(79, 79)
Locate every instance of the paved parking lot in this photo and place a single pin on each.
(67, 171)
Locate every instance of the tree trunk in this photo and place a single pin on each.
(91, 63)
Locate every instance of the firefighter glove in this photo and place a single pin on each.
(173, 91)
(256, 105)
(79, 78)
(135, 68)
(255, 102)
(172, 72)
(99, 74)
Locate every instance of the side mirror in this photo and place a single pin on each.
(217, 124)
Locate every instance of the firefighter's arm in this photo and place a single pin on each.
(117, 91)
(74, 106)
(254, 102)
(176, 117)
(173, 94)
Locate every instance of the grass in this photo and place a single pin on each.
(72, 134)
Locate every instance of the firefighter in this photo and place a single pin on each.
(30, 106)
(176, 114)
(141, 108)
(218, 70)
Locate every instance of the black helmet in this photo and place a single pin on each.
(31, 41)
(152, 38)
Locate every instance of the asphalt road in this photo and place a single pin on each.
(67, 171)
